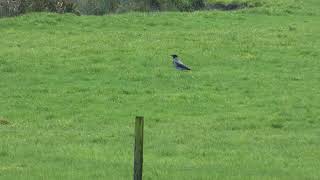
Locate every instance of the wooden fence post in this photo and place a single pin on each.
(138, 148)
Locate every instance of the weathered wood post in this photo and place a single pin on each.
(138, 148)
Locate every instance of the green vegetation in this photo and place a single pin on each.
(70, 88)
(100, 7)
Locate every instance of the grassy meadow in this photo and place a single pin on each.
(70, 88)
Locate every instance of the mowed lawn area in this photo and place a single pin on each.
(70, 88)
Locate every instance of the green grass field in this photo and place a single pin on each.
(70, 88)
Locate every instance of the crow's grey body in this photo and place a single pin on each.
(178, 64)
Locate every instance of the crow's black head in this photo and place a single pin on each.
(174, 56)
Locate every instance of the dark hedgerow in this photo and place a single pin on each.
(198, 4)
(100, 7)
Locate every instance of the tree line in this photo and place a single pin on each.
(96, 7)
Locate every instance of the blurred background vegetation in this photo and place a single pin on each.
(100, 7)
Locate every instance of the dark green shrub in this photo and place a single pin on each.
(198, 4)
(155, 5)
(189, 5)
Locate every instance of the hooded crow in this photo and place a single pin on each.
(178, 64)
